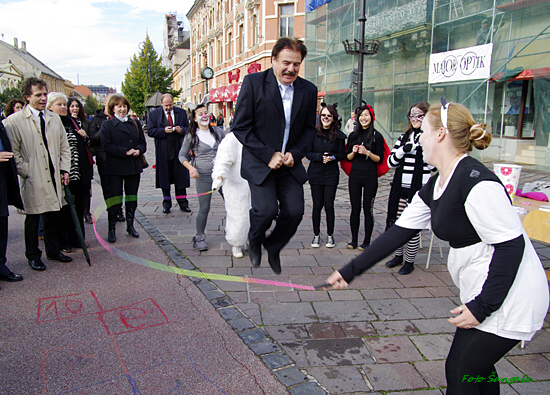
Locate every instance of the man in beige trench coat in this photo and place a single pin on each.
(43, 159)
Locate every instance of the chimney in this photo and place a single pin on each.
(23, 46)
(15, 43)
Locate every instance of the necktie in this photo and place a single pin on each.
(43, 129)
(170, 120)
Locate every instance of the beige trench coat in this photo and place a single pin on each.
(31, 159)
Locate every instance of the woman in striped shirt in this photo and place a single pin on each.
(410, 175)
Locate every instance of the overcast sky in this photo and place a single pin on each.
(94, 39)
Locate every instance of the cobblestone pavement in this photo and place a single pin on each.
(387, 333)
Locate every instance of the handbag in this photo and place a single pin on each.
(144, 164)
(90, 157)
(382, 167)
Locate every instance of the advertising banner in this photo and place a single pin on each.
(464, 64)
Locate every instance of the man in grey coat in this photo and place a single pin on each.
(43, 160)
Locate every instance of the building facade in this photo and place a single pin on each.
(100, 92)
(30, 66)
(10, 76)
(235, 38)
(513, 98)
(176, 56)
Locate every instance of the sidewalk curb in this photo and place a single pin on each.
(256, 338)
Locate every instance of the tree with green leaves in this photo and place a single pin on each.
(145, 76)
(91, 106)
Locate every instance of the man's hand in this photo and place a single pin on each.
(288, 160)
(168, 129)
(65, 178)
(178, 129)
(276, 161)
(5, 156)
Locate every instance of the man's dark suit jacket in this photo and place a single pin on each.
(259, 124)
(9, 183)
(167, 147)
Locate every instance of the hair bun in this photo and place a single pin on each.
(480, 135)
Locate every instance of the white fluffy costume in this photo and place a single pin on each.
(235, 190)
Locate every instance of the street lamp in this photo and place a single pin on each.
(148, 55)
(361, 48)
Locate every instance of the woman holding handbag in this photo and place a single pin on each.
(80, 173)
(123, 140)
(327, 149)
(80, 122)
(365, 150)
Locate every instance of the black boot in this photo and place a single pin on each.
(120, 216)
(407, 268)
(397, 260)
(111, 238)
(130, 212)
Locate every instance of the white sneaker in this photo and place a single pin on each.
(330, 242)
(316, 242)
(237, 251)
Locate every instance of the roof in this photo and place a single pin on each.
(155, 100)
(26, 56)
(83, 90)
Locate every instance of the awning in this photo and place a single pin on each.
(225, 93)
(528, 74)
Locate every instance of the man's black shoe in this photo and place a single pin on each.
(185, 209)
(11, 277)
(36, 264)
(255, 254)
(60, 258)
(166, 210)
(274, 261)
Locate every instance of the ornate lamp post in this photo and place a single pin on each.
(361, 48)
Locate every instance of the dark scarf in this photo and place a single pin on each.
(416, 184)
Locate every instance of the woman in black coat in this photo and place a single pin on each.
(123, 140)
(327, 149)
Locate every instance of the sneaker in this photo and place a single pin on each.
(316, 242)
(352, 246)
(330, 242)
(237, 251)
(199, 243)
(362, 247)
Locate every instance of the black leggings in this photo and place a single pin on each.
(474, 354)
(365, 187)
(323, 196)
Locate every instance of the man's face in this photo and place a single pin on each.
(38, 98)
(353, 115)
(167, 103)
(286, 66)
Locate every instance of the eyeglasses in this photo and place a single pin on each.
(513, 93)
(326, 116)
(418, 118)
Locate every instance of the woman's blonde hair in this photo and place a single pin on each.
(462, 127)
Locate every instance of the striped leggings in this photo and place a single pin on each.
(414, 243)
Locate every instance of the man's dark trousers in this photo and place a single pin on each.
(280, 185)
(51, 221)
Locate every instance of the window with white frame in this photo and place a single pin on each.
(241, 38)
(286, 20)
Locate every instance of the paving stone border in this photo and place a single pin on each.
(257, 339)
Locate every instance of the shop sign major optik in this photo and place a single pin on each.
(464, 64)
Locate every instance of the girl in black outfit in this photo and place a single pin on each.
(365, 151)
(123, 140)
(327, 149)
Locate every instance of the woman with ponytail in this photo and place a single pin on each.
(503, 287)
